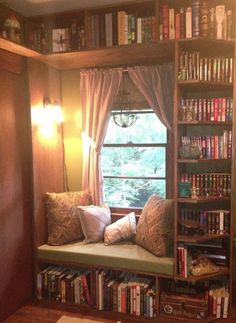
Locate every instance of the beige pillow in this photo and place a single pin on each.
(63, 218)
(155, 226)
(94, 220)
(122, 229)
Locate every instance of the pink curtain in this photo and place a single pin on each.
(156, 83)
(98, 89)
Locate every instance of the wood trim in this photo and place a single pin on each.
(11, 62)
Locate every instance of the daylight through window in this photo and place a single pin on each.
(134, 161)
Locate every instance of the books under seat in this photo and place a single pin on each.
(126, 256)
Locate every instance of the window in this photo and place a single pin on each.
(134, 161)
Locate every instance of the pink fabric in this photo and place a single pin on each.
(156, 84)
(98, 89)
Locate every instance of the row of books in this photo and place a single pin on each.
(199, 19)
(122, 292)
(214, 69)
(126, 293)
(99, 30)
(197, 223)
(64, 285)
(188, 253)
(208, 184)
(218, 302)
(211, 147)
(49, 39)
(206, 109)
(199, 301)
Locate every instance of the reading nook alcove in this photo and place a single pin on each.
(62, 246)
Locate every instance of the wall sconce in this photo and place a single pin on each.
(47, 117)
(53, 111)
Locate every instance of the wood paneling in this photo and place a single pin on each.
(16, 193)
(48, 174)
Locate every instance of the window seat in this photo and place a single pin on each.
(126, 256)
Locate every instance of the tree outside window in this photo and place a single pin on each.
(134, 161)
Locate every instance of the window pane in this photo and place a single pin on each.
(130, 192)
(147, 129)
(134, 161)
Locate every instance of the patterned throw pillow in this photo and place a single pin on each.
(155, 226)
(63, 217)
(122, 229)
(94, 220)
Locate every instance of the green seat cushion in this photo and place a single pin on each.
(126, 255)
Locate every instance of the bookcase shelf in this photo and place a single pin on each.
(204, 123)
(203, 160)
(17, 48)
(202, 199)
(203, 238)
(193, 279)
(122, 55)
(205, 85)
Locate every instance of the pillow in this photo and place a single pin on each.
(63, 218)
(94, 220)
(122, 229)
(155, 226)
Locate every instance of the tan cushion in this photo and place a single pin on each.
(155, 226)
(122, 229)
(94, 220)
(63, 218)
(123, 255)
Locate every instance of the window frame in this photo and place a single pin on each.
(120, 211)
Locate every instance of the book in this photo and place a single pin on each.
(220, 18)
(188, 22)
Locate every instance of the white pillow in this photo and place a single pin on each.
(94, 220)
(122, 229)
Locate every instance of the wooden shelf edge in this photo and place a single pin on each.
(202, 238)
(203, 160)
(111, 56)
(204, 83)
(202, 199)
(18, 49)
(203, 123)
(221, 272)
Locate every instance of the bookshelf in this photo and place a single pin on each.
(204, 217)
(47, 39)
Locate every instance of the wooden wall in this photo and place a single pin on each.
(15, 186)
(48, 160)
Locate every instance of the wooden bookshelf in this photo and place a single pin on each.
(112, 56)
(18, 49)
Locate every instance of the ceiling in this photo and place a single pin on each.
(42, 7)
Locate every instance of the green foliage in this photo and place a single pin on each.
(134, 162)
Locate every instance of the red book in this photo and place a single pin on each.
(177, 26)
(165, 15)
(85, 284)
(216, 109)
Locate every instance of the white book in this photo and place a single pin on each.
(171, 23)
(126, 30)
(226, 305)
(218, 306)
(139, 30)
(188, 22)
(108, 28)
(220, 20)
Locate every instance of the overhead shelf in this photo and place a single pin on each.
(112, 56)
(17, 48)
